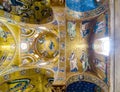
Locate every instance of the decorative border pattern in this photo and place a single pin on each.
(88, 78)
(88, 14)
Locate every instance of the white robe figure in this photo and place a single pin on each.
(71, 29)
(73, 63)
(3, 34)
(84, 30)
(99, 64)
(99, 27)
(84, 61)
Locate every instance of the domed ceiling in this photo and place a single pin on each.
(83, 5)
(30, 11)
(47, 46)
(54, 46)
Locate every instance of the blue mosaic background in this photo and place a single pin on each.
(81, 5)
(82, 86)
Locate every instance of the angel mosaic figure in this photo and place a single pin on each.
(62, 59)
(4, 57)
(73, 62)
(51, 46)
(44, 53)
(85, 29)
(3, 34)
(99, 64)
(71, 29)
(41, 40)
(55, 53)
(84, 61)
(23, 30)
(6, 5)
(99, 26)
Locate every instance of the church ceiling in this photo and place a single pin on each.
(45, 42)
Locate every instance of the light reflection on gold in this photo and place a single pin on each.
(38, 80)
(25, 59)
(102, 46)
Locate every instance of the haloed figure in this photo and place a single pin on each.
(84, 61)
(3, 34)
(85, 29)
(73, 62)
(51, 46)
(71, 29)
(41, 40)
(6, 5)
(99, 64)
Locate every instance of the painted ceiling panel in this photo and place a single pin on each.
(46, 46)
